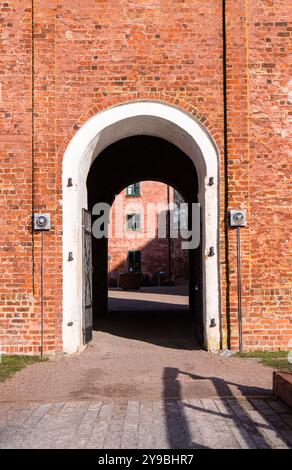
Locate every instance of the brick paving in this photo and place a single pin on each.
(141, 384)
(167, 424)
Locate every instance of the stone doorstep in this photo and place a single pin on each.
(282, 386)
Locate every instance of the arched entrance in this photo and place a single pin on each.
(145, 158)
(102, 130)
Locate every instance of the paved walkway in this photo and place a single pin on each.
(143, 382)
(129, 363)
(149, 299)
(149, 353)
(184, 424)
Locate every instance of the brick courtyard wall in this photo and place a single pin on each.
(154, 248)
(65, 61)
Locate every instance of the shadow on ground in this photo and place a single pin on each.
(150, 316)
(227, 423)
(173, 328)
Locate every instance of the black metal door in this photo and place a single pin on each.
(87, 276)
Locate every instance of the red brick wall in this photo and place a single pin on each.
(269, 317)
(258, 71)
(154, 249)
(17, 327)
(87, 56)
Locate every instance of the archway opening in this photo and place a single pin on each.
(140, 118)
(161, 174)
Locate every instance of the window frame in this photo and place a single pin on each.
(135, 214)
(137, 192)
(140, 261)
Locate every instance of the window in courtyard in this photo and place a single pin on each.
(133, 190)
(134, 261)
(133, 221)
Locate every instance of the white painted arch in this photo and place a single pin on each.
(109, 126)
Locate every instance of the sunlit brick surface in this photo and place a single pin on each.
(84, 57)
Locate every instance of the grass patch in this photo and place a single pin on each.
(12, 364)
(276, 359)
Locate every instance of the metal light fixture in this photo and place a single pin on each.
(237, 218)
(41, 222)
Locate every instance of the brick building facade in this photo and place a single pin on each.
(135, 243)
(224, 64)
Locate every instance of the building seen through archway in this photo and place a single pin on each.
(146, 221)
(140, 266)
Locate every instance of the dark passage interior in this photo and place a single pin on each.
(144, 158)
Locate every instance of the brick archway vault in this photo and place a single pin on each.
(104, 128)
